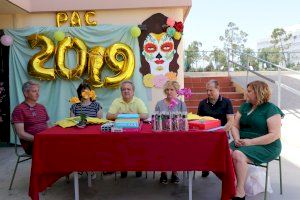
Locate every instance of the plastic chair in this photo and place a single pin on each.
(22, 156)
(266, 165)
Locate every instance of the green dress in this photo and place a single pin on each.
(255, 125)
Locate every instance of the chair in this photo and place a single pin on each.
(21, 156)
(266, 165)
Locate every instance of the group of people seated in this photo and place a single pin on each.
(255, 128)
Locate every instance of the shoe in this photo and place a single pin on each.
(174, 178)
(205, 173)
(138, 174)
(123, 174)
(239, 198)
(163, 178)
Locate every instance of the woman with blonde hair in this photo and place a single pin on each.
(173, 104)
(256, 133)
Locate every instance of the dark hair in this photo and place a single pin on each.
(82, 87)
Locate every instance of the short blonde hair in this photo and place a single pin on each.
(261, 91)
(173, 84)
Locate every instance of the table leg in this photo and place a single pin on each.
(76, 186)
(89, 179)
(190, 185)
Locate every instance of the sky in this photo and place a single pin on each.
(208, 19)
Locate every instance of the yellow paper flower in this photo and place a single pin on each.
(85, 94)
(148, 80)
(88, 94)
(74, 100)
(171, 76)
(93, 95)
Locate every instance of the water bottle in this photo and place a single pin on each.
(153, 122)
(159, 123)
(186, 124)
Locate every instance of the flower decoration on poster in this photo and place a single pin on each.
(159, 81)
(171, 76)
(174, 29)
(151, 80)
(158, 46)
(148, 80)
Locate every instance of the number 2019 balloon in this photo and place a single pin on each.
(119, 58)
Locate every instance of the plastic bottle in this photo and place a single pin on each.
(153, 122)
(159, 123)
(186, 124)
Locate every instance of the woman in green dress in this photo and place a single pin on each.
(256, 133)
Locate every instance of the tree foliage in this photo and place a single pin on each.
(271, 54)
(219, 59)
(246, 59)
(281, 40)
(234, 38)
(192, 54)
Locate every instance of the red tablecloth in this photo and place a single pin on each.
(59, 151)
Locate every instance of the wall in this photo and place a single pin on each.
(128, 16)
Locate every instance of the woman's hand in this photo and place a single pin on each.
(243, 142)
(237, 143)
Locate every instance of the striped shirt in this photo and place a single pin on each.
(34, 118)
(90, 110)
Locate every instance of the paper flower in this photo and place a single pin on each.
(178, 26)
(177, 35)
(74, 100)
(148, 80)
(171, 31)
(173, 28)
(93, 95)
(186, 92)
(89, 94)
(172, 104)
(171, 76)
(159, 81)
(170, 22)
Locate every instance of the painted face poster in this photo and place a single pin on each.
(158, 45)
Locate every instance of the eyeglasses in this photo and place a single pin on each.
(32, 111)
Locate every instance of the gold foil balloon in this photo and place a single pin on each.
(36, 66)
(120, 58)
(81, 52)
(95, 64)
(88, 21)
(75, 19)
(61, 17)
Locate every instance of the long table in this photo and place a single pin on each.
(59, 151)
